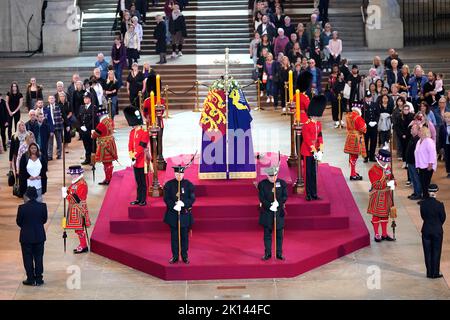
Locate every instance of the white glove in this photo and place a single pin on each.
(63, 192)
(391, 184)
(274, 208)
(372, 123)
(83, 128)
(180, 203)
(275, 204)
(177, 208)
(318, 155)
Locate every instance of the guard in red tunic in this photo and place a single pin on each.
(106, 145)
(303, 84)
(312, 145)
(77, 213)
(151, 86)
(354, 144)
(380, 198)
(138, 152)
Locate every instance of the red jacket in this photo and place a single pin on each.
(159, 114)
(304, 104)
(312, 138)
(137, 143)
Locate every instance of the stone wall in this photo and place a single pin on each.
(14, 18)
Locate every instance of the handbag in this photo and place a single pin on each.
(16, 189)
(264, 78)
(347, 90)
(11, 178)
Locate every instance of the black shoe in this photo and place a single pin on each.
(104, 183)
(173, 260)
(448, 175)
(308, 198)
(28, 283)
(355, 178)
(366, 160)
(39, 282)
(143, 203)
(85, 162)
(186, 260)
(266, 257)
(411, 195)
(75, 251)
(372, 160)
(58, 157)
(135, 202)
(415, 197)
(377, 239)
(316, 198)
(437, 276)
(387, 238)
(280, 257)
(49, 159)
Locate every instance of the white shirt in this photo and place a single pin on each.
(99, 91)
(34, 170)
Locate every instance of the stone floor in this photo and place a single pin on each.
(399, 265)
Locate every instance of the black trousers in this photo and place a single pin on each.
(370, 137)
(279, 94)
(385, 136)
(335, 108)
(184, 242)
(323, 11)
(33, 260)
(139, 176)
(268, 241)
(447, 157)
(3, 135)
(425, 180)
(432, 247)
(88, 144)
(311, 177)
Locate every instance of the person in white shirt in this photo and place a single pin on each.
(33, 170)
(137, 27)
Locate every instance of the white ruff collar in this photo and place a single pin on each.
(77, 179)
(384, 167)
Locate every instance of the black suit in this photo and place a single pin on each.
(433, 215)
(371, 113)
(171, 217)
(89, 119)
(31, 218)
(269, 29)
(266, 216)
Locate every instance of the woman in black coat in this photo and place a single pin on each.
(160, 36)
(4, 116)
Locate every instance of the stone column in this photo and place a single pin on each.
(384, 28)
(61, 31)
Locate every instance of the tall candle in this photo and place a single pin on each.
(291, 85)
(153, 109)
(158, 90)
(297, 105)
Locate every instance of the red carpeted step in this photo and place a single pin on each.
(217, 207)
(231, 254)
(230, 224)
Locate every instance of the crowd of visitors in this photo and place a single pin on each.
(170, 30)
(279, 46)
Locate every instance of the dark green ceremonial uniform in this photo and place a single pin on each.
(171, 216)
(266, 216)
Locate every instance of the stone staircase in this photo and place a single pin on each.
(345, 17)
